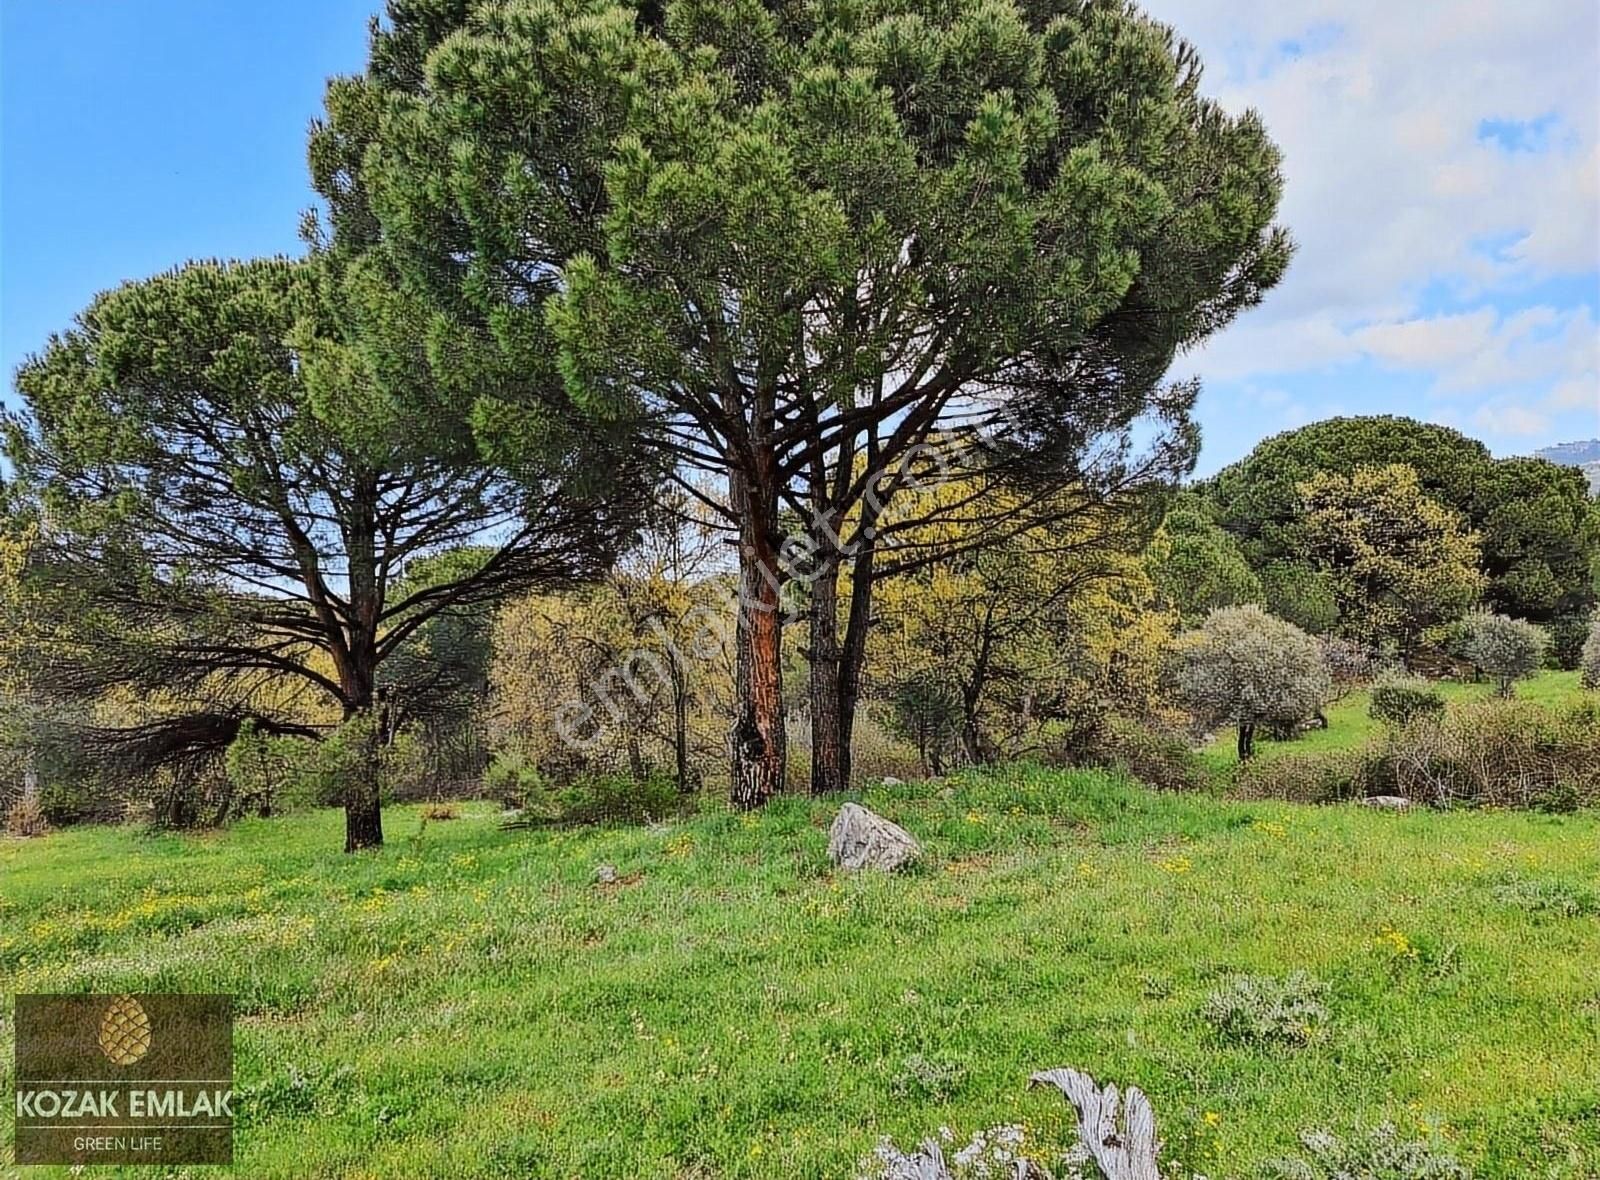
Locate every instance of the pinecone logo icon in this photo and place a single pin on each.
(124, 1031)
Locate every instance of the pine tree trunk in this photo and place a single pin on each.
(363, 798)
(853, 655)
(827, 738)
(758, 747)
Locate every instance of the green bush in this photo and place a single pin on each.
(518, 785)
(1500, 753)
(1487, 753)
(616, 798)
(512, 780)
(1156, 756)
(1262, 1010)
(76, 800)
(277, 774)
(1400, 699)
(1567, 634)
(1338, 776)
(925, 711)
(1589, 659)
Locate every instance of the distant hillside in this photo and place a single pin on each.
(1577, 454)
(1573, 454)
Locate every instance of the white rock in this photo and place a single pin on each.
(860, 839)
(1387, 802)
(605, 874)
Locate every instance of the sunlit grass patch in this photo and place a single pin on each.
(471, 1002)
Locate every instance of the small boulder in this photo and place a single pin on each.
(861, 839)
(1387, 802)
(605, 874)
(889, 780)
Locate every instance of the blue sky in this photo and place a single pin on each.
(1443, 184)
(136, 135)
(1443, 162)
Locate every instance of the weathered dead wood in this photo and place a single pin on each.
(1124, 1149)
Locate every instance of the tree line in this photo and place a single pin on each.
(574, 256)
(849, 326)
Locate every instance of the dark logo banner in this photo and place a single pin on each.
(124, 1079)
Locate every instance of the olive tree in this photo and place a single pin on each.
(1590, 662)
(1244, 667)
(1507, 649)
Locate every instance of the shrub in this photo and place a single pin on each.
(1507, 649)
(265, 772)
(511, 780)
(877, 752)
(925, 710)
(1334, 777)
(616, 798)
(1246, 668)
(1483, 753)
(266, 775)
(586, 799)
(1566, 898)
(1378, 1154)
(1500, 753)
(1589, 662)
(1567, 635)
(1399, 699)
(1261, 1010)
(923, 1080)
(25, 816)
(1157, 756)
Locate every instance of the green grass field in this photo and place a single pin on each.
(468, 1003)
(1350, 724)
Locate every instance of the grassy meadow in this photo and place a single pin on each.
(467, 1002)
(1350, 724)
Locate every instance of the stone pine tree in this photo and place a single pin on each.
(790, 242)
(231, 470)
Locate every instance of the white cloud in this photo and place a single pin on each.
(1513, 420)
(1396, 196)
(1578, 393)
(1427, 343)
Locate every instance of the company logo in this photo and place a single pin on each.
(124, 1079)
(124, 1031)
